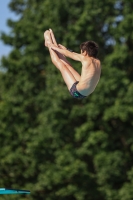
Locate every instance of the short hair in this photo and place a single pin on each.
(90, 47)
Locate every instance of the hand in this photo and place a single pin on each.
(61, 46)
(52, 46)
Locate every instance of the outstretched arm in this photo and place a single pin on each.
(67, 53)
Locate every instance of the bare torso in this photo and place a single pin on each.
(90, 75)
(91, 68)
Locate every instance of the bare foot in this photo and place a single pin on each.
(53, 37)
(47, 38)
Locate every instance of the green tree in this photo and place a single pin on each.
(56, 146)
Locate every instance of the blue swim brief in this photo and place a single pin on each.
(74, 92)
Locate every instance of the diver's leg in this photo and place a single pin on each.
(69, 66)
(47, 38)
(50, 38)
(66, 74)
(63, 58)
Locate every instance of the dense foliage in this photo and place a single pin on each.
(56, 146)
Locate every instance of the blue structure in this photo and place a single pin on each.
(13, 191)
